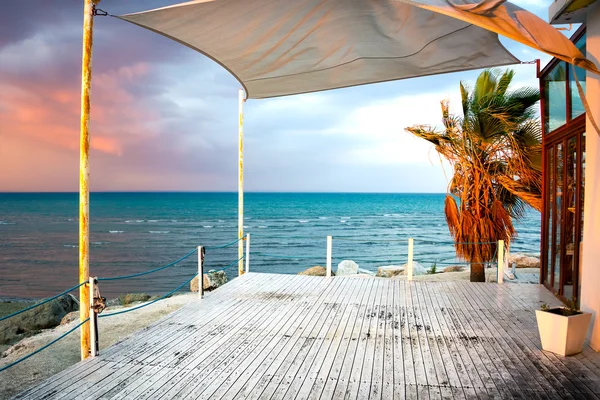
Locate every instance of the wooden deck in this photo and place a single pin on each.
(266, 336)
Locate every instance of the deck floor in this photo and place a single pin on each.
(268, 336)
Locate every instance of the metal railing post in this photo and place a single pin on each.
(93, 319)
(201, 272)
(409, 266)
(241, 100)
(247, 252)
(84, 175)
(500, 261)
(329, 251)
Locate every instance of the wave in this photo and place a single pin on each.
(207, 226)
(115, 231)
(262, 226)
(7, 223)
(303, 221)
(73, 246)
(100, 243)
(159, 231)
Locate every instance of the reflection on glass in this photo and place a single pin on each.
(582, 180)
(569, 218)
(576, 103)
(558, 214)
(555, 92)
(550, 170)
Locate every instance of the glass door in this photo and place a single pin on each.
(565, 167)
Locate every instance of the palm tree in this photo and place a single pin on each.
(495, 151)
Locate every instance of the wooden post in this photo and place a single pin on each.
(93, 319)
(240, 180)
(201, 272)
(247, 252)
(84, 174)
(329, 251)
(500, 261)
(409, 266)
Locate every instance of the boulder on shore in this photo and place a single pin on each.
(418, 268)
(454, 268)
(388, 271)
(347, 267)
(210, 281)
(316, 271)
(30, 322)
(129, 298)
(523, 261)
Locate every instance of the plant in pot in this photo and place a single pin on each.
(563, 329)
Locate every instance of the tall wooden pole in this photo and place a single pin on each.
(84, 175)
(241, 180)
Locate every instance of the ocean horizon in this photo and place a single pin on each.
(132, 232)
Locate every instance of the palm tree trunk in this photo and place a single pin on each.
(477, 272)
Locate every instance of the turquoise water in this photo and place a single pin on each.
(133, 232)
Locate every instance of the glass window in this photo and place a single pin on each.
(550, 175)
(570, 190)
(559, 168)
(576, 104)
(555, 101)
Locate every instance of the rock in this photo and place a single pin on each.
(45, 316)
(211, 280)
(347, 267)
(70, 317)
(388, 271)
(316, 271)
(418, 268)
(365, 272)
(133, 298)
(454, 268)
(523, 261)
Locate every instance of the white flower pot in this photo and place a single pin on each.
(560, 334)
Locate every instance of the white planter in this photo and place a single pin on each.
(562, 335)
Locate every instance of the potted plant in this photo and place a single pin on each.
(563, 329)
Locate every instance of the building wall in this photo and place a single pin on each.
(590, 269)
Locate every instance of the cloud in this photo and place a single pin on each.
(165, 117)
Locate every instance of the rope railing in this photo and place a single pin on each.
(228, 266)
(12, 364)
(224, 245)
(150, 302)
(43, 302)
(283, 256)
(423, 241)
(96, 313)
(114, 278)
(266, 236)
(368, 240)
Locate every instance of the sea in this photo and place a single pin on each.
(136, 232)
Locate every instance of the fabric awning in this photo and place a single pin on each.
(282, 47)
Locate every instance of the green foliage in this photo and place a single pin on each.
(432, 270)
(571, 308)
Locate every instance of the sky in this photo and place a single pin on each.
(164, 117)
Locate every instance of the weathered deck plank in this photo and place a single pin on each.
(267, 336)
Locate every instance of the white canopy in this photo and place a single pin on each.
(282, 47)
